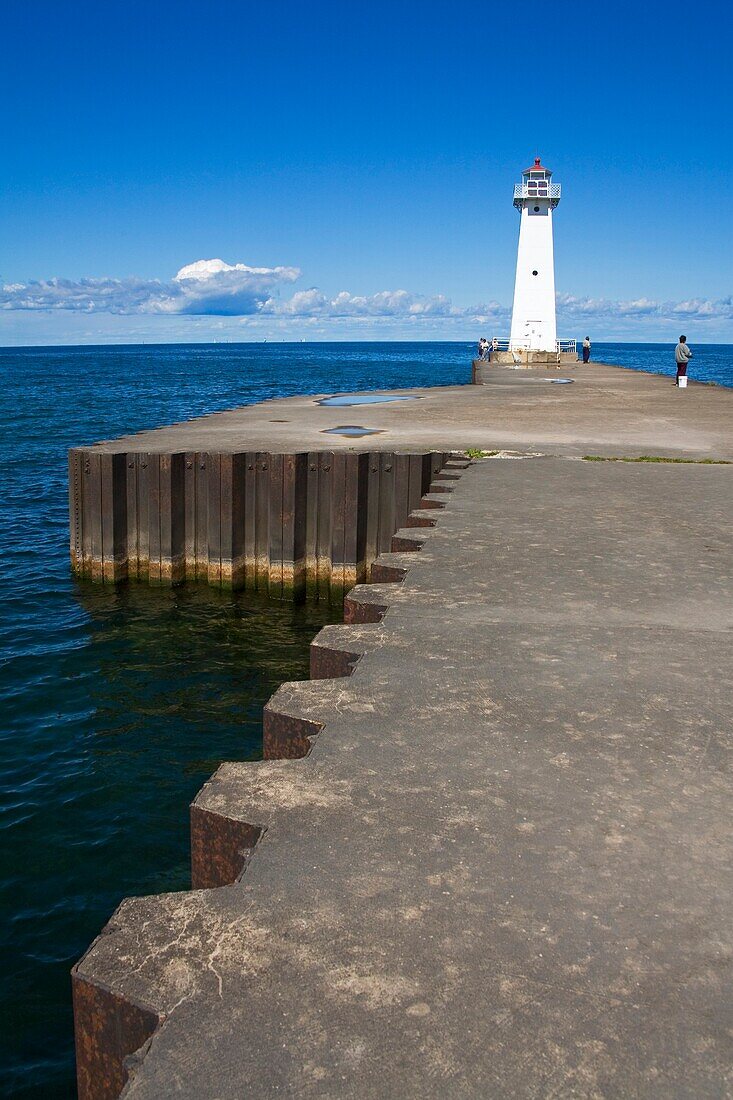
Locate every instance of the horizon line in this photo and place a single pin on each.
(301, 343)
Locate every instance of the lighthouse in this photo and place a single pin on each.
(533, 338)
(534, 327)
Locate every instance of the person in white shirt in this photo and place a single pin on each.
(586, 350)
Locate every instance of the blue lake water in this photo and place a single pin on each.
(119, 703)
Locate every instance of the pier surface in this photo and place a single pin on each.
(605, 407)
(267, 497)
(504, 868)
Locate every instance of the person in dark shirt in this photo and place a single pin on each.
(682, 356)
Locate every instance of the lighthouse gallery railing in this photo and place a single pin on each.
(537, 191)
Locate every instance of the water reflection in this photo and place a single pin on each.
(354, 430)
(347, 399)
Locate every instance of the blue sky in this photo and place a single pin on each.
(352, 166)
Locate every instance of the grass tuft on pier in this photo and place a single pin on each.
(658, 458)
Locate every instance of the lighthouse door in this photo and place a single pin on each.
(534, 335)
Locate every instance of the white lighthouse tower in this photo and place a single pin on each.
(534, 327)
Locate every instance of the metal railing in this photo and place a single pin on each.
(540, 190)
(549, 191)
(563, 347)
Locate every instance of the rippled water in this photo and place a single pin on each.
(710, 363)
(119, 703)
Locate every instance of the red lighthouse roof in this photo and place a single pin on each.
(536, 167)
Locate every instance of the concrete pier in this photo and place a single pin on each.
(267, 497)
(488, 850)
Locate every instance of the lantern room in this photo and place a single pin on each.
(536, 185)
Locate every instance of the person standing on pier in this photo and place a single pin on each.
(586, 350)
(682, 355)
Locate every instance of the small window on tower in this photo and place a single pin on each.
(536, 209)
(534, 272)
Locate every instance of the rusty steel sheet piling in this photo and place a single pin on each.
(287, 524)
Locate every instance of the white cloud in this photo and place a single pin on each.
(89, 296)
(213, 288)
(204, 288)
(386, 304)
(702, 309)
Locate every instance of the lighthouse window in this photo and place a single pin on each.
(534, 272)
(536, 209)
